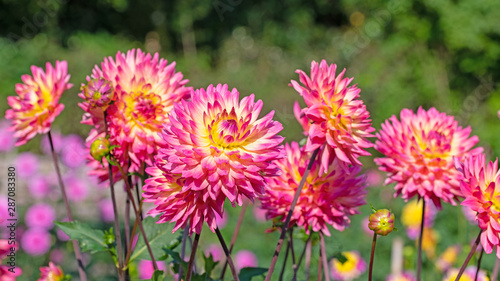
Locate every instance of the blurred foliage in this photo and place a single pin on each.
(401, 53)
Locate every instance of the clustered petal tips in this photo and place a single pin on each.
(419, 150)
(328, 199)
(336, 115)
(145, 89)
(480, 187)
(37, 104)
(51, 273)
(216, 148)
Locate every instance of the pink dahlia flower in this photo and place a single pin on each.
(217, 148)
(336, 115)
(216, 251)
(7, 275)
(51, 273)
(36, 241)
(37, 104)
(326, 199)
(145, 90)
(420, 149)
(468, 275)
(482, 195)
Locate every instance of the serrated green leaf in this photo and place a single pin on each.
(159, 237)
(158, 275)
(90, 239)
(210, 264)
(247, 273)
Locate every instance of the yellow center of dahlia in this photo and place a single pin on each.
(347, 266)
(432, 146)
(143, 108)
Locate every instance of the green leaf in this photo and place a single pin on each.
(159, 237)
(247, 273)
(177, 260)
(89, 239)
(158, 275)
(210, 264)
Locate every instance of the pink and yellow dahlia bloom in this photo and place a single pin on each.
(481, 189)
(381, 222)
(337, 117)
(51, 273)
(468, 275)
(351, 269)
(37, 104)
(216, 148)
(419, 150)
(326, 199)
(145, 89)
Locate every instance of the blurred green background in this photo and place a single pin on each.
(401, 53)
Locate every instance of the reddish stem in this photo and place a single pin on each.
(469, 256)
(419, 261)
(233, 239)
(370, 271)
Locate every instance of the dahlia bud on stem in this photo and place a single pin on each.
(382, 223)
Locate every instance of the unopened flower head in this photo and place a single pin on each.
(382, 222)
(326, 199)
(419, 150)
(217, 148)
(99, 148)
(337, 117)
(145, 89)
(51, 273)
(98, 93)
(37, 104)
(481, 188)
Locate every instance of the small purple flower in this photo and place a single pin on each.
(26, 165)
(216, 251)
(146, 270)
(106, 209)
(36, 241)
(244, 259)
(39, 187)
(77, 189)
(7, 139)
(73, 152)
(40, 215)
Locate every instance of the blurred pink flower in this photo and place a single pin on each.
(245, 258)
(73, 152)
(364, 226)
(448, 257)
(106, 210)
(479, 187)
(374, 178)
(77, 189)
(404, 276)
(469, 274)
(57, 140)
(259, 213)
(7, 139)
(4, 212)
(5, 248)
(469, 214)
(26, 165)
(351, 269)
(36, 241)
(37, 104)
(328, 199)
(146, 270)
(336, 115)
(57, 256)
(39, 186)
(217, 148)
(221, 221)
(419, 152)
(60, 234)
(40, 215)
(216, 251)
